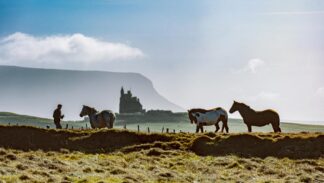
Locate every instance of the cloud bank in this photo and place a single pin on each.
(24, 49)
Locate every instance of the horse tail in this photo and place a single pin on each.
(276, 123)
(278, 127)
(225, 122)
(112, 118)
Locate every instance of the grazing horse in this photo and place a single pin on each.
(257, 118)
(101, 119)
(203, 117)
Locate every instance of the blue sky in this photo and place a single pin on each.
(197, 53)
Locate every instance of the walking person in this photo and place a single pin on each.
(57, 115)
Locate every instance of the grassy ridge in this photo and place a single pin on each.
(300, 145)
(30, 154)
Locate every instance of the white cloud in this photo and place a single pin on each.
(265, 96)
(251, 66)
(23, 49)
(254, 64)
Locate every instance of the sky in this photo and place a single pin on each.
(268, 54)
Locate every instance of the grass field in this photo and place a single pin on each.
(31, 154)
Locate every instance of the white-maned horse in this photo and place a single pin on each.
(97, 119)
(208, 118)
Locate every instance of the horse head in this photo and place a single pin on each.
(192, 115)
(86, 110)
(234, 107)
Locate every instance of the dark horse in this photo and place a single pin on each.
(257, 118)
(206, 117)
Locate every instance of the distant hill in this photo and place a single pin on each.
(13, 118)
(38, 91)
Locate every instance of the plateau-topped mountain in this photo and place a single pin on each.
(37, 91)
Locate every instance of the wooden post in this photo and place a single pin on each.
(138, 129)
(72, 127)
(173, 130)
(162, 129)
(148, 129)
(125, 126)
(167, 130)
(66, 126)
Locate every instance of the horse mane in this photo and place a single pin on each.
(247, 107)
(91, 108)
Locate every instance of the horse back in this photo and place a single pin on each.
(261, 118)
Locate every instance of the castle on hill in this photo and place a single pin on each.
(129, 103)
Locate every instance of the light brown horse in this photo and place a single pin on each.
(257, 118)
(101, 119)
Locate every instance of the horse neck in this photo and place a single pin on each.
(245, 111)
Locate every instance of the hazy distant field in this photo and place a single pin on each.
(235, 125)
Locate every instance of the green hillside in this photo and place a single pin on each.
(10, 117)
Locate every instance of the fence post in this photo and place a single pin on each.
(125, 126)
(66, 126)
(167, 130)
(72, 127)
(173, 130)
(148, 129)
(162, 129)
(138, 128)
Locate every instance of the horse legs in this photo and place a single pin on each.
(225, 125)
(202, 128)
(249, 128)
(224, 120)
(276, 127)
(217, 127)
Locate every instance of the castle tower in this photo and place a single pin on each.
(128, 103)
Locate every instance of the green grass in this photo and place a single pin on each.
(29, 154)
(145, 166)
